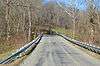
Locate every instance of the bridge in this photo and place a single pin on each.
(28, 18)
(55, 50)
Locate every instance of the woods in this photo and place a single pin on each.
(85, 23)
(15, 22)
(22, 20)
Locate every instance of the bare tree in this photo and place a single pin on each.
(72, 12)
(92, 16)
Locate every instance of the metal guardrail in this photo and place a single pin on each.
(88, 46)
(27, 49)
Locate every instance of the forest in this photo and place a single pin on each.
(22, 20)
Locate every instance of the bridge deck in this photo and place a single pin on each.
(56, 51)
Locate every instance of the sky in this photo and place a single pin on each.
(81, 4)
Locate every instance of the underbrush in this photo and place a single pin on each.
(14, 42)
(78, 36)
(7, 47)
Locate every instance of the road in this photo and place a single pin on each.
(56, 51)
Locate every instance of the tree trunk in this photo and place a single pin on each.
(7, 19)
(74, 27)
(29, 16)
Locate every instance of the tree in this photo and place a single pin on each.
(71, 10)
(92, 15)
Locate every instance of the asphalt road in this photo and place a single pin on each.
(56, 51)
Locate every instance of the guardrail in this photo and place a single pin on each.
(27, 49)
(88, 46)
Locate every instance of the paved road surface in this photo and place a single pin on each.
(56, 51)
